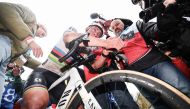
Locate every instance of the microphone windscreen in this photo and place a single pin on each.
(94, 15)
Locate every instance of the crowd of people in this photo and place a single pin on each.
(14, 86)
(18, 27)
(139, 43)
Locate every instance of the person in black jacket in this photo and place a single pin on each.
(144, 57)
(173, 21)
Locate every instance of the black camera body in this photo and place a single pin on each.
(153, 7)
(172, 22)
(146, 3)
(150, 3)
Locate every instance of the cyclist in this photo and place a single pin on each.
(144, 57)
(104, 63)
(49, 71)
(100, 65)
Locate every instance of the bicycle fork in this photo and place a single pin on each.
(87, 97)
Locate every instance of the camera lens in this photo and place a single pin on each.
(145, 15)
(142, 14)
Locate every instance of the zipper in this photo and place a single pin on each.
(141, 56)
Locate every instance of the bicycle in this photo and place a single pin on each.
(84, 95)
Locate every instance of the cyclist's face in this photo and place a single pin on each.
(94, 31)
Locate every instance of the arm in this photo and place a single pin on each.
(168, 2)
(32, 63)
(93, 41)
(12, 20)
(40, 32)
(150, 31)
(115, 42)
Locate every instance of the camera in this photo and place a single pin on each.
(151, 8)
(150, 13)
(146, 3)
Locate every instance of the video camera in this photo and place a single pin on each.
(152, 7)
(146, 3)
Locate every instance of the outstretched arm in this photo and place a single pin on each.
(116, 43)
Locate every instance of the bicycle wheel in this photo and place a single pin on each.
(171, 96)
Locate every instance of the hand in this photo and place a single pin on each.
(36, 49)
(107, 24)
(11, 65)
(115, 42)
(168, 2)
(41, 31)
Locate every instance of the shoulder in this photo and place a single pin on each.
(142, 26)
(6, 7)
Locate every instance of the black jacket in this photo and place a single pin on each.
(148, 31)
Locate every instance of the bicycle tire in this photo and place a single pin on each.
(169, 94)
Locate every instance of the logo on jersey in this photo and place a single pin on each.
(129, 32)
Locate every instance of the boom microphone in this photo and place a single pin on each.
(94, 16)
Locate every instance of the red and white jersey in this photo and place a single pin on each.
(135, 46)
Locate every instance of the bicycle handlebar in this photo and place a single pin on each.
(115, 55)
(74, 48)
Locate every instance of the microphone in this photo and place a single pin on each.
(96, 15)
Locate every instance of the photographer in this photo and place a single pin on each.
(172, 23)
(155, 8)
